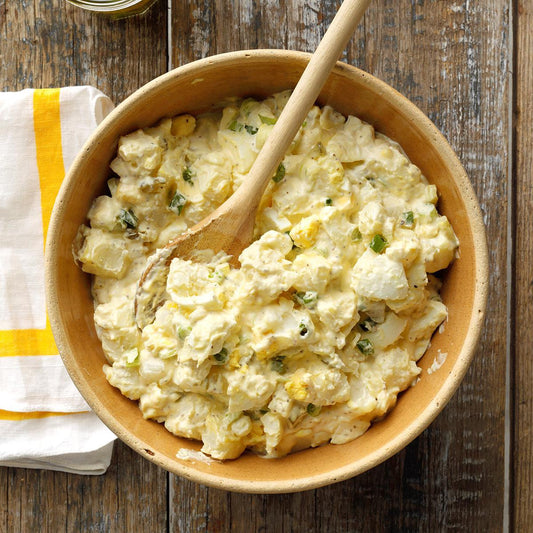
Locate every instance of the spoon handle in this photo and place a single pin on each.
(301, 100)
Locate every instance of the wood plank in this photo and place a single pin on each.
(131, 496)
(523, 309)
(442, 56)
(446, 57)
(439, 54)
(119, 500)
(54, 44)
(194, 507)
(207, 27)
(51, 44)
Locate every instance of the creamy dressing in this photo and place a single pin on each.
(321, 327)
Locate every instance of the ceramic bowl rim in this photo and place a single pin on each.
(418, 424)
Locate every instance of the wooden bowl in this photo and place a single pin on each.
(196, 88)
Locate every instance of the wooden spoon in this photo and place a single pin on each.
(230, 227)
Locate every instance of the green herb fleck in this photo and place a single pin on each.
(277, 364)
(183, 332)
(313, 410)
(328, 201)
(133, 358)
(280, 173)
(308, 298)
(187, 174)
(356, 235)
(127, 219)
(365, 346)
(304, 330)
(221, 357)
(268, 120)
(252, 130)
(234, 125)
(408, 219)
(378, 243)
(177, 203)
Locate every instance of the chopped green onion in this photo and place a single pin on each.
(307, 298)
(133, 363)
(187, 174)
(252, 130)
(234, 125)
(280, 173)
(378, 243)
(127, 219)
(268, 120)
(313, 410)
(408, 219)
(328, 201)
(367, 324)
(183, 332)
(221, 357)
(356, 235)
(177, 203)
(133, 358)
(277, 364)
(365, 346)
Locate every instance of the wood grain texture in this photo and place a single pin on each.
(523, 261)
(120, 500)
(453, 59)
(50, 43)
(442, 56)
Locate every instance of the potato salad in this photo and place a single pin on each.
(335, 301)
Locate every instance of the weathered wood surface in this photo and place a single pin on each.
(522, 316)
(471, 470)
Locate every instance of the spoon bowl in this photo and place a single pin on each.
(228, 228)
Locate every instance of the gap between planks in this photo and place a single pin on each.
(170, 65)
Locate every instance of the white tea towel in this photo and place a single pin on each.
(44, 421)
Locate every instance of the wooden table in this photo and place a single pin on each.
(469, 66)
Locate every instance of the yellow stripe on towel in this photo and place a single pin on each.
(27, 342)
(48, 144)
(47, 127)
(15, 415)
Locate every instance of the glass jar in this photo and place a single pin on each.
(115, 8)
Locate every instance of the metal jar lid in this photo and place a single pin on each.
(115, 8)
